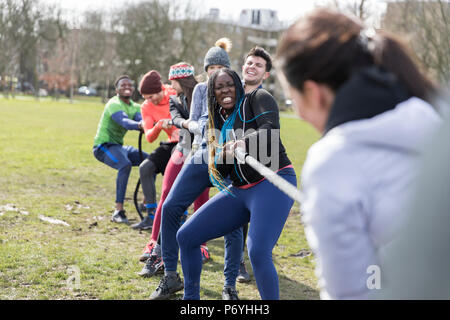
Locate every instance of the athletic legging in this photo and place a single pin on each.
(172, 169)
(147, 173)
(121, 158)
(264, 206)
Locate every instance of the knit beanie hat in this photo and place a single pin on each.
(180, 70)
(150, 83)
(218, 54)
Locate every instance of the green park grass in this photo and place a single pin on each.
(47, 169)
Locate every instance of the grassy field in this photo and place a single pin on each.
(48, 170)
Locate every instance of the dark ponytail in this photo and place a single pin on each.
(327, 47)
(393, 55)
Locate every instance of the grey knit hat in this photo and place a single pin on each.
(218, 54)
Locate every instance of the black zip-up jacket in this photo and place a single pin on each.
(257, 123)
(180, 112)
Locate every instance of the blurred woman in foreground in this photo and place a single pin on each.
(362, 90)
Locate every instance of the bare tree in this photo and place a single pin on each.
(57, 74)
(358, 8)
(144, 32)
(25, 26)
(52, 30)
(11, 41)
(194, 35)
(155, 35)
(368, 11)
(426, 26)
(92, 45)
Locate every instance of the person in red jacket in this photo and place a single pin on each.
(183, 81)
(156, 118)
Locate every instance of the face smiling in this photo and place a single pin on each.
(225, 91)
(125, 88)
(254, 70)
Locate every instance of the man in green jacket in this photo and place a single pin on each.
(120, 115)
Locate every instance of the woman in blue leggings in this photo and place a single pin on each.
(250, 122)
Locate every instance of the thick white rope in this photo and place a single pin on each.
(273, 178)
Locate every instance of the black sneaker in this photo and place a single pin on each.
(243, 275)
(153, 265)
(145, 224)
(119, 217)
(229, 294)
(167, 286)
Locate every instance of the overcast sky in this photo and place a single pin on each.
(288, 10)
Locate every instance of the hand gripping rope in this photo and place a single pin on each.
(273, 178)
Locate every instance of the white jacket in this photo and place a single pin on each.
(355, 182)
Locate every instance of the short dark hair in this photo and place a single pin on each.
(120, 78)
(261, 52)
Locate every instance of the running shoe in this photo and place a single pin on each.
(145, 224)
(153, 265)
(243, 275)
(119, 217)
(167, 286)
(229, 293)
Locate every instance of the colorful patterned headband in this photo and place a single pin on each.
(181, 70)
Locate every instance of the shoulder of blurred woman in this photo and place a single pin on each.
(326, 154)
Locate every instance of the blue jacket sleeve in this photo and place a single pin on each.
(196, 104)
(121, 118)
(137, 117)
(199, 108)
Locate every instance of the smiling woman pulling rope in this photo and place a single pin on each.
(250, 198)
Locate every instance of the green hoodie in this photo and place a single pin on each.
(110, 131)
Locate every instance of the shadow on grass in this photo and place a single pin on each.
(293, 290)
(290, 288)
(211, 294)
